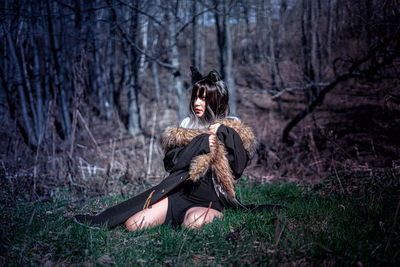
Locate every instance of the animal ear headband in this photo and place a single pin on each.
(213, 76)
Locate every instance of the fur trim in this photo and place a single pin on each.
(200, 165)
(245, 133)
(223, 171)
(216, 159)
(173, 137)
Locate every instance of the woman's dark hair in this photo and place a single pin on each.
(217, 97)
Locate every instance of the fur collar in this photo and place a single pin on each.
(217, 158)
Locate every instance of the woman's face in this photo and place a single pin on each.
(200, 105)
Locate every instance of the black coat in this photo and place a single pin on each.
(177, 162)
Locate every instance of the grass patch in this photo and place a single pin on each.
(328, 223)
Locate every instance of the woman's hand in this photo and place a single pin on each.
(214, 128)
(212, 139)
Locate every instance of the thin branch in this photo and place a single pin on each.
(353, 72)
(132, 43)
(318, 100)
(141, 12)
(89, 132)
(304, 88)
(191, 22)
(137, 48)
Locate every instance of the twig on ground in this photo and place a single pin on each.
(338, 178)
(147, 203)
(89, 133)
(151, 143)
(83, 172)
(316, 155)
(278, 235)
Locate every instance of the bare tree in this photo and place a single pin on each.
(131, 71)
(154, 65)
(58, 61)
(198, 35)
(176, 73)
(224, 40)
(195, 36)
(19, 80)
(331, 8)
(247, 13)
(40, 125)
(202, 42)
(98, 66)
(275, 72)
(144, 29)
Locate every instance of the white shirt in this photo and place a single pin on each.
(188, 123)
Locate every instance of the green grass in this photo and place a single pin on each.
(321, 224)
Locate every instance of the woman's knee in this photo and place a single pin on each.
(198, 217)
(152, 216)
(136, 222)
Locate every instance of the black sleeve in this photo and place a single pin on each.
(237, 155)
(179, 158)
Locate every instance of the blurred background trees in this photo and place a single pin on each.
(69, 66)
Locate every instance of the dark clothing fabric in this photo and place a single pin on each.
(181, 157)
(237, 155)
(191, 194)
(177, 162)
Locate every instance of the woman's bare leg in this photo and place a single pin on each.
(150, 217)
(196, 217)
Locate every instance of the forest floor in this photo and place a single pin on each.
(345, 219)
(339, 182)
(355, 127)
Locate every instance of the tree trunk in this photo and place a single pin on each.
(154, 66)
(275, 73)
(180, 97)
(331, 4)
(144, 29)
(111, 80)
(319, 41)
(47, 73)
(314, 40)
(28, 127)
(202, 44)
(154, 70)
(259, 30)
(219, 26)
(97, 67)
(3, 100)
(29, 91)
(78, 28)
(4, 82)
(304, 41)
(131, 74)
(38, 89)
(229, 75)
(59, 64)
(249, 45)
(224, 40)
(281, 38)
(195, 37)
(113, 57)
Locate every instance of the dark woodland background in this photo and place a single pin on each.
(87, 87)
